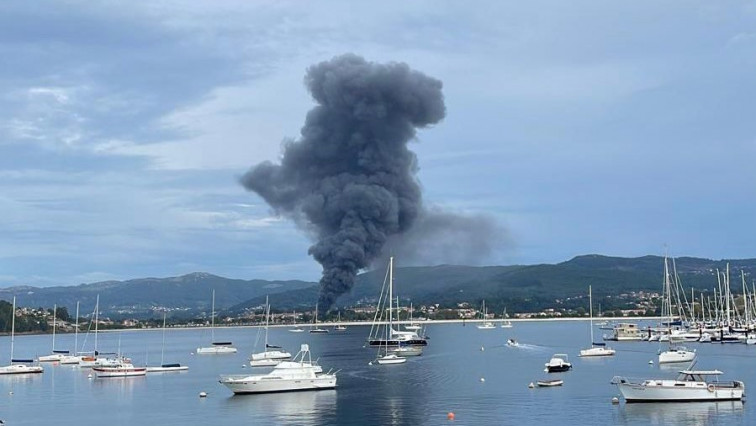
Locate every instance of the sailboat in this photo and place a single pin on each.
(673, 353)
(57, 355)
(596, 349)
(412, 326)
(339, 326)
(485, 325)
(505, 323)
(296, 329)
(95, 359)
(18, 366)
(217, 347)
(384, 356)
(163, 366)
(394, 338)
(75, 358)
(271, 355)
(317, 329)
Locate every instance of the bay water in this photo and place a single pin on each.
(464, 370)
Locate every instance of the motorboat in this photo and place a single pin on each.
(298, 374)
(549, 383)
(122, 370)
(512, 342)
(558, 363)
(689, 386)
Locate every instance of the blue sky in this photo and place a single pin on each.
(581, 127)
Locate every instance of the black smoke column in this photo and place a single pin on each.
(350, 177)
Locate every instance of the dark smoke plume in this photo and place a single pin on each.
(350, 177)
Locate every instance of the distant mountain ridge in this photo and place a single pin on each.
(528, 287)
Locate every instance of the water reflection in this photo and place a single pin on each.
(300, 408)
(690, 413)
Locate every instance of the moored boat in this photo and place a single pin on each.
(299, 374)
(549, 383)
(122, 370)
(689, 386)
(558, 363)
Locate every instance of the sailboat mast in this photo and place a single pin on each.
(76, 330)
(55, 313)
(212, 319)
(391, 291)
(267, 319)
(97, 321)
(590, 309)
(13, 326)
(162, 348)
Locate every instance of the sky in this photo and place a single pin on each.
(617, 128)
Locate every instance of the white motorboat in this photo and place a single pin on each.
(558, 363)
(596, 349)
(216, 348)
(297, 329)
(122, 370)
(18, 366)
(512, 342)
(299, 374)
(271, 354)
(689, 386)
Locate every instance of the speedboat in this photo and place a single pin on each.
(512, 342)
(689, 386)
(558, 363)
(299, 374)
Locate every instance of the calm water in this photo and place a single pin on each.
(422, 391)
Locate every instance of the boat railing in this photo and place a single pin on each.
(616, 380)
(233, 376)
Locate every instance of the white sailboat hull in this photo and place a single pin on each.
(21, 369)
(676, 355)
(51, 358)
(215, 350)
(270, 355)
(597, 351)
(166, 369)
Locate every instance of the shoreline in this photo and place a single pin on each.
(360, 323)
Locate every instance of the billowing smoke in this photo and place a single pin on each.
(350, 178)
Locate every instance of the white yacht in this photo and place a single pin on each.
(673, 353)
(676, 354)
(486, 324)
(298, 374)
(689, 386)
(389, 359)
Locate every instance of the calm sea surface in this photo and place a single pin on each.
(446, 378)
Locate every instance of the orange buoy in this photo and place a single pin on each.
(450, 416)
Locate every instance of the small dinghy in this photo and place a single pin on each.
(549, 383)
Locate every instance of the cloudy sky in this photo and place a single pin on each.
(581, 127)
